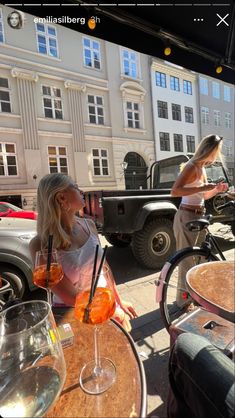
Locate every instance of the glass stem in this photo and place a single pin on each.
(49, 299)
(97, 369)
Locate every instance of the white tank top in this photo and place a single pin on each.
(78, 262)
(196, 199)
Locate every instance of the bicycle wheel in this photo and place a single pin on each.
(170, 307)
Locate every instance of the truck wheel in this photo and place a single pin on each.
(154, 243)
(15, 279)
(118, 240)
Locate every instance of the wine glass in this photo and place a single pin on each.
(32, 365)
(99, 374)
(44, 278)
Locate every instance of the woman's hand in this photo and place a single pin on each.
(124, 313)
(128, 308)
(221, 187)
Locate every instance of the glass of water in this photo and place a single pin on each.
(32, 365)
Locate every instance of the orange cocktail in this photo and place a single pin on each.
(45, 279)
(99, 310)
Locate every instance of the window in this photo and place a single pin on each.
(96, 109)
(1, 27)
(5, 104)
(133, 115)
(215, 90)
(47, 39)
(176, 111)
(188, 114)
(205, 115)
(227, 148)
(52, 102)
(178, 142)
(228, 120)
(217, 117)
(91, 53)
(162, 109)
(100, 162)
(187, 87)
(227, 97)
(203, 85)
(160, 79)
(190, 140)
(174, 83)
(57, 159)
(164, 141)
(8, 162)
(130, 63)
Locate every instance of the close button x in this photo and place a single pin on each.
(222, 19)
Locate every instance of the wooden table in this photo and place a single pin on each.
(212, 286)
(125, 398)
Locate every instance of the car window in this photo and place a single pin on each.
(3, 208)
(10, 206)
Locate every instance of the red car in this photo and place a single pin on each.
(12, 211)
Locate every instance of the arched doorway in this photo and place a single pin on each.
(136, 171)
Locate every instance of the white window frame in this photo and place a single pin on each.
(217, 118)
(96, 107)
(205, 115)
(52, 97)
(92, 50)
(162, 109)
(227, 94)
(227, 148)
(162, 79)
(132, 110)
(187, 87)
(174, 83)
(165, 139)
(215, 90)
(203, 86)
(5, 155)
(7, 90)
(100, 158)
(228, 120)
(190, 140)
(178, 140)
(190, 113)
(1, 21)
(57, 156)
(47, 38)
(130, 61)
(176, 112)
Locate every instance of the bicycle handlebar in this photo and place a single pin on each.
(231, 203)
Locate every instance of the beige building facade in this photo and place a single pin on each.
(71, 103)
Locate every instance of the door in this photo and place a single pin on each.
(136, 171)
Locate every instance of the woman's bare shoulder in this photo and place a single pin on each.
(89, 222)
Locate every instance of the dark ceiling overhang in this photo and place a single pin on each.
(197, 45)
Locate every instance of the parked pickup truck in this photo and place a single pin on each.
(144, 218)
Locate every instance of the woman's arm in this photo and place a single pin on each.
(187, 176)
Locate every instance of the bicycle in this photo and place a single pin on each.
(167, 284)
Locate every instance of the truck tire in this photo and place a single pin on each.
(154, 243)
(15, 278)
(118, 240)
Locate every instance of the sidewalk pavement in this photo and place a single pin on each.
(149, 334)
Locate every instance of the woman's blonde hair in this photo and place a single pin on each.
(49, 210)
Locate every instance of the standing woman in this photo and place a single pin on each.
(58, 201)
(192, 185)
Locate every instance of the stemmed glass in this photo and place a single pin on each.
(99, 374)
(47, 276)
(32, 365)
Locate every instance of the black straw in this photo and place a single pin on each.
(49, 255)
(99, 271)
(93, 273)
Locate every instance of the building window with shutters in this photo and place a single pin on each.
(100, 162)
(162, 109)
(96, 109)
(178, 142)
(52, 102)
(8, 160)
(57, 159)
(164, 141)
(190, 140)
(176, 111)
(5, 103)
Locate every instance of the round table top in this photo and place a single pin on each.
(125, 398)
(212, 286)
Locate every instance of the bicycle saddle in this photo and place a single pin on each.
(197, 225)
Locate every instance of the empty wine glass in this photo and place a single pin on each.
(32, 365)
(47, 276)
(99, 374)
